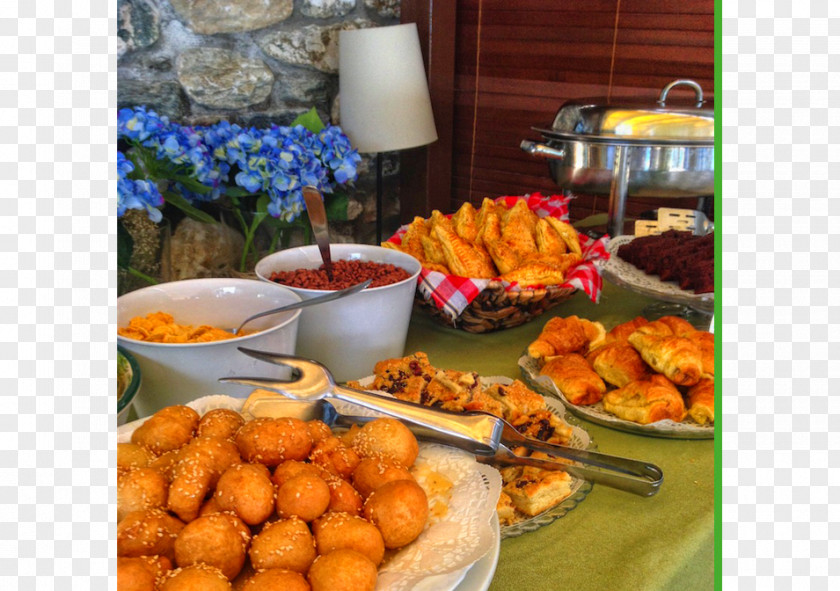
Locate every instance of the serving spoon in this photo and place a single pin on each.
(318, 220)
(304, 303)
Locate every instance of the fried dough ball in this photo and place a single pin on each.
(200, 464)
(343, 497)
(165, 463)
(147, 533)
(287, 544)
(387, 437)
(167, 429)
(133, 455)
(318, 430)
(220, 422)
(399, 509)
(371, 473)
(209, 507)
(342, 570)
(197, 577)
(273, 441)
(291, 468)
(335, 457)
(216, 540)
(143, 488)
(247, 490)
(340, 530)
(305, 496)
(139, 573)
(272, 579)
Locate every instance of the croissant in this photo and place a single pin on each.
(701, 401)
(657, 327)
(575, 379)
(646, 401)
(559, 336)
(705, 341)
(677, 358)
(618, 363)
(625, 329)
(679, 326)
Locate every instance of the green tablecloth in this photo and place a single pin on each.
(613, 540)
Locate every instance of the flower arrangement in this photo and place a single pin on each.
(256, 174)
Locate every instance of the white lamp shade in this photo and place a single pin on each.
(384, 98)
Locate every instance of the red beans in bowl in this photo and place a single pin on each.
(345, 274)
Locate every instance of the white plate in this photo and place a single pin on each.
(688, 429)
(627, 275)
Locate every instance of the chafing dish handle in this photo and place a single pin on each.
(535, 149)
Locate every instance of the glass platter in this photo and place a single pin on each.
(580, 488)
(688, 429)
(628, 276)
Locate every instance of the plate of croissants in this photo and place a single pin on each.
(650, 377)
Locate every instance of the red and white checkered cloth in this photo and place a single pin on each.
(452, 293)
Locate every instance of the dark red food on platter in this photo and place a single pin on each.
(345, 274)
(675, 255)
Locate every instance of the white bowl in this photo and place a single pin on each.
(178, 373)
(351, 334)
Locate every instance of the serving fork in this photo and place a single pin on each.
(490, 438)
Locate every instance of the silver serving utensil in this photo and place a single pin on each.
(318, 220)
(334, 295)
(483, 434)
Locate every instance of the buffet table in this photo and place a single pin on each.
(612, 540)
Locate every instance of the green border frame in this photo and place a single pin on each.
(718, 319)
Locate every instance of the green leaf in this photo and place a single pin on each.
(310, 120)
(237, 191)
(125, 247)
(336, 207)
(185, 206)
(191, 184)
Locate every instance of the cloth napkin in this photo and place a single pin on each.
(452, 293)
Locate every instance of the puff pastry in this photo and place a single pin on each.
(463, 258)
(559, 336)
(548, 240)
(534, 492)
(618, 363)
(567, 233)
(646, 401)
(575, 378)
(464, 222)
(516, 399)
(679, 326)
(677, 358)
(701, 401)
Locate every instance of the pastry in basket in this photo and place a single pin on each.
(618, 363)
(463, 257)
(646, 401)
(677, 358)
(561, 336)
(464, 222)
(575, 378)
(701, 401)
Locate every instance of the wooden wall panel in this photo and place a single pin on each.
(535, 54)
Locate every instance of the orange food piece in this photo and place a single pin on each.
(160, 327)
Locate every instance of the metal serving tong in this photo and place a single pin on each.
(487, 436)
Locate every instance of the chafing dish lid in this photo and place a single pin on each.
(634, 120)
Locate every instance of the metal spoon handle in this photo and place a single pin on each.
(318, 220)
(310, 302)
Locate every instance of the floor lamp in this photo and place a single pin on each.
(383, 94)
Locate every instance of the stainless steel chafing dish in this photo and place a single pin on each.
(632, 147)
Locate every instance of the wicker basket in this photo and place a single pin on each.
(497, 309)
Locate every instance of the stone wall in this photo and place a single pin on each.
(252, 62)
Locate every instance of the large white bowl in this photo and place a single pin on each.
(351, 334)
(178, 373)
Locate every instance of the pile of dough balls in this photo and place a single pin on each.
(215, 502)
